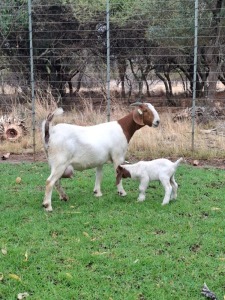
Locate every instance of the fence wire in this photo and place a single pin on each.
(112, 51)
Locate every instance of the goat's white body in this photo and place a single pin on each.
(87, 147)
(80, 148)
(159, 169)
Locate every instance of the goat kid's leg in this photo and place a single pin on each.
(142, 188)
(174, 188)
(62, 195)
(98, 180)
(168, 191)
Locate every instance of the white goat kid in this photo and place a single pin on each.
(70, 147)
(145, 171)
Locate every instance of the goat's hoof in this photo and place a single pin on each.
(97, 194)
(141, 198)
(47, 207)
(173, 199)
(122, 194)
(165, 203)
(64, 198)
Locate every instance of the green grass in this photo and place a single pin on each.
(111, 247)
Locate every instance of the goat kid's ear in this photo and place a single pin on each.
(118, 177)
(138, 116)
(118, 169)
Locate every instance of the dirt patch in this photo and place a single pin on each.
(215, 162)
(27, 158)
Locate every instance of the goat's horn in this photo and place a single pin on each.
(136, 103)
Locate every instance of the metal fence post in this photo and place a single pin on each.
(32, 76)
(195, 73)
(108, 60)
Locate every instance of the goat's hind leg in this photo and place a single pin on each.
(168, 190)
(62, 195)
(47, 202)
(50, 182)
(174, 188)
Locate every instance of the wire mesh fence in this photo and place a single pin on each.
(165, 52)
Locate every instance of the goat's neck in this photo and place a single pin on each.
(129, 126)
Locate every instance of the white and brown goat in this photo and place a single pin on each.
(70, 147)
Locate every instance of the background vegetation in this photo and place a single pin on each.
(170, 139)
(149, 40)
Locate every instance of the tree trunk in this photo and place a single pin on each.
(212, 52)
(164, 81)
(147, 87)
(212, 81)
(169, 84)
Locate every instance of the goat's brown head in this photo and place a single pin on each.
(145, 114)
(121, 173)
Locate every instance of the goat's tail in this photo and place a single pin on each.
(47, 123)
(178, 162)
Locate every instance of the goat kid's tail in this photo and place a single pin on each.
(47, 123)
(178, 162)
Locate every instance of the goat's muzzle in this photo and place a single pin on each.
(155, 124)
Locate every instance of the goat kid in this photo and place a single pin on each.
(145, 171)
(70, 147)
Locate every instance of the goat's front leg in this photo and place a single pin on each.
(62, 195)
(120, 189)
(98, 180)
(142, 188)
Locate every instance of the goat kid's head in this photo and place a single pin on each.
(145, 114)
(121, 173)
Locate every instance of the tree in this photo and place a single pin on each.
(69, 39)
(212, 50)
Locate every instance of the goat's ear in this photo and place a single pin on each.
(138, 116)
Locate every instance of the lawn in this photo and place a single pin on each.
(111, 247)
